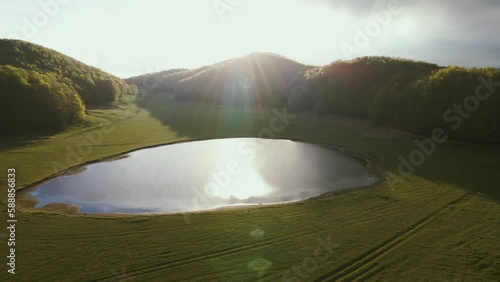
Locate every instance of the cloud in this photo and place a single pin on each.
(358, 8)
(137, 36)
(453, 32)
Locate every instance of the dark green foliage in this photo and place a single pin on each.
(349, 88)
(415, 96)
(133, 89)
(299, 100)
(164, 81)
(33, 101)
(93, 85)
(260, 78)
(447, 98)
(42, 89)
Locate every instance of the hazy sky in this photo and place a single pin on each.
(130, 37)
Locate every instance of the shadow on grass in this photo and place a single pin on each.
(23, 139)
(197, 120)
(9, 142)
(469, 166)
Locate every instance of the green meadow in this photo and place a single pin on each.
(441, 223)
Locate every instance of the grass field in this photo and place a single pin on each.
(435, 226)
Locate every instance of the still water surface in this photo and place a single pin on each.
(203, 175)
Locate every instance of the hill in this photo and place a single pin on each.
(93, 85)
(31, 101)
(416, 96)
(44, 89)
(257, 78)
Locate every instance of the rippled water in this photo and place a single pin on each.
(202, 175)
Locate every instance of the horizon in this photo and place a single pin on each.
(120, 41)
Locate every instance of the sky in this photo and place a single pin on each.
(132, 37)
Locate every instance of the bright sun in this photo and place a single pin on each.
(284, 27)
(192, 33)
(241, 182)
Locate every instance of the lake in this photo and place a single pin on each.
(203, 175)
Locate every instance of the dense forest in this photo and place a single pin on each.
(258, 78)
(415, 96)
(32, 101)
(44, 89)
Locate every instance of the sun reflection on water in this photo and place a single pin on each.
(236, 174)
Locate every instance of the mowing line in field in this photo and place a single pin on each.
(350, 269)
(192, 259)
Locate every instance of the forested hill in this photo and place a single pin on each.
(44, 89)
(93, 85)
(415, 96)
(262, 78)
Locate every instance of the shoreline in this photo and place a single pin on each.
(28, 202)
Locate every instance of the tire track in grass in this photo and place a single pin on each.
(151, 269)
(224, 252)
(191, 259)
(371, 272)
(363, 263)
(187, 260)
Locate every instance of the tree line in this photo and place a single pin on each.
(414, 96)
(94, 86)
(258, 78)
(32, 101)
(47, 81)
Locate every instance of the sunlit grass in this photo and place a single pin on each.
(430, 227)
